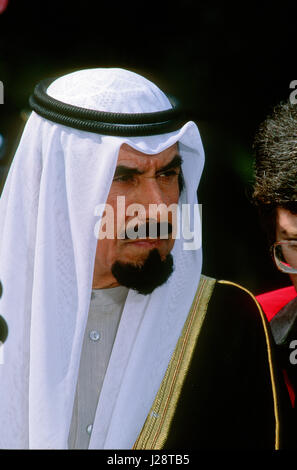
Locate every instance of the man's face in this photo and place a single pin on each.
(286, 229)
(142, 179)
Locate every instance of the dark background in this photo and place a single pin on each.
(228, 64)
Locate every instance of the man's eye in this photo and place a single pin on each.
(168, 174)
(123, 178)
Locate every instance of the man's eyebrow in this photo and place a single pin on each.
(122, 170)
(176, 162)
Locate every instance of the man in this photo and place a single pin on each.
(275, 195)
(118, 341)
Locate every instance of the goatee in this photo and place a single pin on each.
(146, 277)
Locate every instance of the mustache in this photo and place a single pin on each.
(151, 229)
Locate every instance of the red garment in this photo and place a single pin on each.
(3, 5)
(271, 303)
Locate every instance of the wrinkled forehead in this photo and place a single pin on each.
(130, 156)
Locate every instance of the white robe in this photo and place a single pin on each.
(47, 250)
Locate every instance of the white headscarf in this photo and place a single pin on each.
(47, 250)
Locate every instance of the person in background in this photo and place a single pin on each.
(275, 196)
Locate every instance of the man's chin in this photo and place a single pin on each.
(146, 273)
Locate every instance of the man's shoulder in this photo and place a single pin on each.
(232, 300)
(234, 319)
(231, 361)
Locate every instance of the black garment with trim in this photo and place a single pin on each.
(226, 401)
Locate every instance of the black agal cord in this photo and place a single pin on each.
(101, 122)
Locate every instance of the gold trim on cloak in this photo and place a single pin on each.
(270, 362)
(157, 425)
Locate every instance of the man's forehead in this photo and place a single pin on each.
(129, 154)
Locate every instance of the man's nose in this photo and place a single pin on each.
(150, 192)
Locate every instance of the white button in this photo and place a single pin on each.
(94, 335)
(89, 428)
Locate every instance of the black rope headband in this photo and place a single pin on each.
(101, 122)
